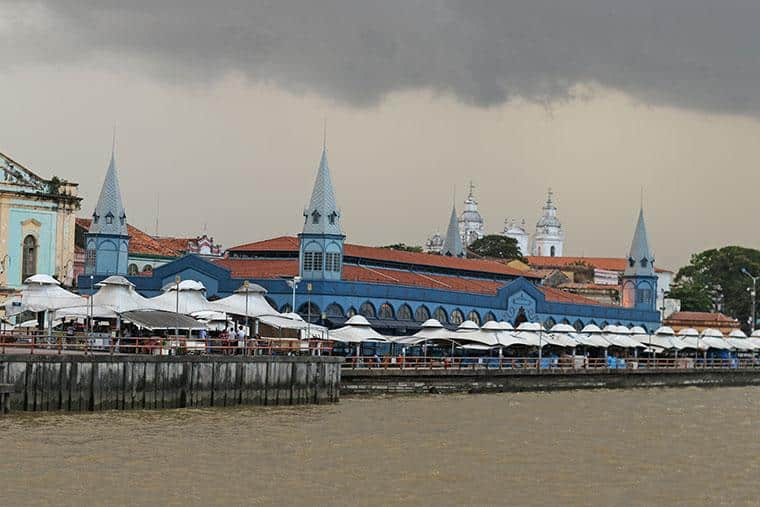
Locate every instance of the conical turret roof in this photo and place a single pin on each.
(322, 215)
(452, 245)
(109, 216)
(640, 258)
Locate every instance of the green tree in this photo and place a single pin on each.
(713, 280)
(496, 246)
(404, 247)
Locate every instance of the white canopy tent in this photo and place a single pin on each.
(357, 330)
(591, 336)
(248, 301)
(43, 293)
(115, 296)
(186, 298)
(665, 338)
(504, 333)
(564, 332)
(739, 340)
(690, 339)
(620, 336)
(534, 334)
(715, 340)
(430, 330)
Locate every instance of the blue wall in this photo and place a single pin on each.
(505, 304)
(46, 241)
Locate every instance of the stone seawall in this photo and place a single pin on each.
(89, 383)
(409, 381)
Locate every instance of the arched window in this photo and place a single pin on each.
(132, 269)
(549, 323)
(604, 324)
(457, 317)
(315, 217)
(404, 312)
(109, 218)
(489, 317)
(148, 268)
(565, 321)
(474, 316)
(421, 314)
(385, 312)
(334, 310)
(441, 315)
(351, 312)
(286, 308)
(307, 310)
(29, 257)
(552, 251)
(644, 263)
(578, 325)
(367, 310)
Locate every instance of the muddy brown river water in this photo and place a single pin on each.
(629, 447)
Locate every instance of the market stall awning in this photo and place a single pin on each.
(157, 319)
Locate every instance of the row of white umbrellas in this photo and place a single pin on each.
(501, 334)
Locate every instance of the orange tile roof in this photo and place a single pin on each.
(608, 263)
(290, 244)
(700, 317)
(259, 268)
(140, 243)
(176, 244)
(279, 244)
(560, 296)
(275, 268)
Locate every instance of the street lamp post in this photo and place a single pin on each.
(753, 294)
(246, 285)
(92, 279)
(293, 284)
(177, 279)
(308, 312)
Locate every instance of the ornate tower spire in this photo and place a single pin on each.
(107, 240)
(640, 278)
(109, 216)
(549, 239)
(321, 241)
(471, 224)
(452, 244)
(322, 215)
(640, 258)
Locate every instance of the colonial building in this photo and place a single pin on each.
(701, 321)
(604, 278)
(395, 290)
(36, 225)
(106, 244)
(517, 231)
(471, 225)
(549, 239)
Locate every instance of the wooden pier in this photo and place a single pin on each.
(91, 383)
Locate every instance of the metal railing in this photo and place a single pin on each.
(560, 364)
(86, 343)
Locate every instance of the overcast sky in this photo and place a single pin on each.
(219, 109)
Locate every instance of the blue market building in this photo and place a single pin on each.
(395, 290)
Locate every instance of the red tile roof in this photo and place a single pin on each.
(608, 263)
(290, 244)
(700, 317)
(259, 268)
(560, 296)
(140, 243)
(275, 268)
(176, 244)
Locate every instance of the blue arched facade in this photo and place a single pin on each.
(517, 297)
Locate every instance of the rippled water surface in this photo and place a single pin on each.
(635, 447)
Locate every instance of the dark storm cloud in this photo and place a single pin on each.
(690, 53)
